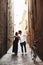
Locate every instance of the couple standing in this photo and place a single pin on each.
(19, 36)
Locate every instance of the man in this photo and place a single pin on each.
(22, 41)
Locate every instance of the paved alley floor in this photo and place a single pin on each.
(11, 59)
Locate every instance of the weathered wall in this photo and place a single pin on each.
(3, 44)
(31, 23)
(39, 28)
(10, 23)
(6, 25)
(36, 26)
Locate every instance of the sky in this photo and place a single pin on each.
(19, 7)
(18, 10)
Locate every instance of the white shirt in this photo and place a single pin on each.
(22, 38)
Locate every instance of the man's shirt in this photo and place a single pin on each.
(22, 38)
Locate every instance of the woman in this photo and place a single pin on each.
(15, 43)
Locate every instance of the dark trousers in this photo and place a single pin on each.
(23, 45)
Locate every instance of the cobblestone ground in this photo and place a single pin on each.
(11, 59)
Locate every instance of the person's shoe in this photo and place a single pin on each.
(15, 54)
(22, 54)
(25, 53)
(32, 58)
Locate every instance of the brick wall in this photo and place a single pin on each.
(2, 27)
(39, 28)
(6, 26)
(10, 30)
(31, 22)
(36, 26)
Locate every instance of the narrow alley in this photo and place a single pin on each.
(27, 16)
(10, 59)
